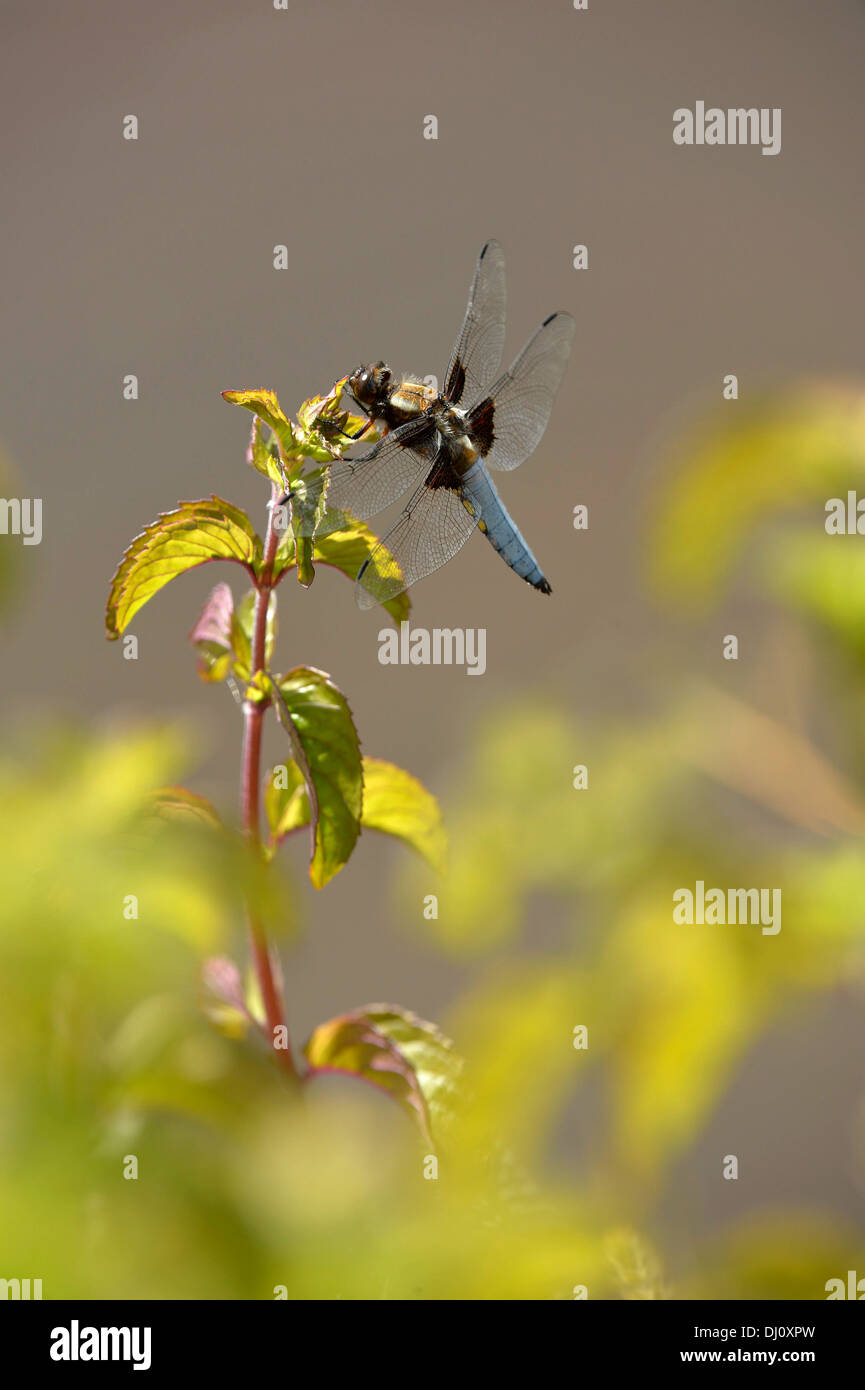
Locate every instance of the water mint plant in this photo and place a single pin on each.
(325, 785)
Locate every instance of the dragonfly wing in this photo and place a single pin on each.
(477, 356)
(512, 417)
(366, 485)
(433, 528)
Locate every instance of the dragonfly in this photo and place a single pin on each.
(440, 447)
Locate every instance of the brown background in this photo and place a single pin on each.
(555, 127)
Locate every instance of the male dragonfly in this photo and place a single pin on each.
(442, 444)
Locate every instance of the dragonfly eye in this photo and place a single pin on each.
(369, 384)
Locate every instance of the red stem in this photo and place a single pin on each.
(253, 721)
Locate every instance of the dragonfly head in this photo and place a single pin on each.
(370, 387)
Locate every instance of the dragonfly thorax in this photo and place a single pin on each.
(451, 425)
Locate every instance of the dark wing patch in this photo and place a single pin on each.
(480, 424)
(456, 380)
(477, 355)
(443, 473)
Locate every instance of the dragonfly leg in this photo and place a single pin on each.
(332, 430)
(376, 448)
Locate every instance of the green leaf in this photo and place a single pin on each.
(265, 404)
(327, 431)
(394, 1050)
(317, 719)
(308, 501)
(194, 534)
(264, 456)
(394, 802)
(322, 433)
(345, 551)
(286, 803)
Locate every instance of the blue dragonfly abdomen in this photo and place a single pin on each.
(481, 498)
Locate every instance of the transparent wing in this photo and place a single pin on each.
(366, 485)
(433, 528)
(517, 408)
(477, 355)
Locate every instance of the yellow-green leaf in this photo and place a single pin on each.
(263, 456)
(322, 433)
(326, 430)
(194, 534)
(286, 803)
(265, 404)
(396, 803)
(394, 1050)
(345, 551)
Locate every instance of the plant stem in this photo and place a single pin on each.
(250, 786)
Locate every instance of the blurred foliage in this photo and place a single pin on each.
(754, 468)
(107, 1055)
(553, 1170)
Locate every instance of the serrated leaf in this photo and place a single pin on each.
(394, 1050)
(265, 404)
(345, 550)
(325, 746)
(394, 802)
(323, 430)
(194, 534)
